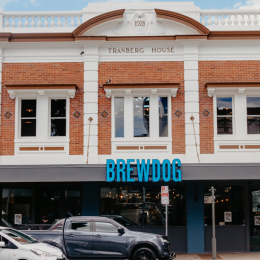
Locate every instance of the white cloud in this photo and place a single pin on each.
(251, 4)
(34, 2)
(238, 4)
(4, 3)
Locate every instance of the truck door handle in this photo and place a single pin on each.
(70, 235)
(98, 236)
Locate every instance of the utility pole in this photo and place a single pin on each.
(166, 219)
(214, 243)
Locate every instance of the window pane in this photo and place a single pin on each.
(28, 127)
(224, 106)
(141, 116)
(224, 125)
(81, 226)
(58, 108)
(49, 206)
(228, 199)
(253, 125)
(253, 106)
(119, 117)
(122, 202)
(16, 201)
(163, 116)
(72, 203)
(106, 227)
(154, 211)
(28, 108)
(58, 127)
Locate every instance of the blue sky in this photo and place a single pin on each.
(62, 5)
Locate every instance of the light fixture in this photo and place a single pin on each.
(29, 110)
(28, 122)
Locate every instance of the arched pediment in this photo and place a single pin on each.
(140, 23)
(98, 20)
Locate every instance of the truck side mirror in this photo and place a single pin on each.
(2, 244)
(121, 231)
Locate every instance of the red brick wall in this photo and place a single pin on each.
(141, 72)
(42, 73)
(220, 71)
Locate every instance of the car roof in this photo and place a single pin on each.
(4, 227)
(86, 217)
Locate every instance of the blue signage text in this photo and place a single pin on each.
(122, 170)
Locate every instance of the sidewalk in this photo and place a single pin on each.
(221, 256)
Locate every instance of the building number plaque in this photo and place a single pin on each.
(139, 23)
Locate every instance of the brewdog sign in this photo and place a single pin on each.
(135, 170)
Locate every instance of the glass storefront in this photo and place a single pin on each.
(229, 206)
(16, 201)
(141, 206)
(255, 220)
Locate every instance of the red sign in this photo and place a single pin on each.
(165, 195)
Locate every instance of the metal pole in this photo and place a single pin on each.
(214, 244)
(166, 219)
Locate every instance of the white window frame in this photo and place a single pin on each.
(249, 135)
(224, 136)
(67, 117)
(43, 136)
(239, 111)
(20, 118)
(153, 139)
(129, 123)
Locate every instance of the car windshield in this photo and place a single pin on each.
(18, 236)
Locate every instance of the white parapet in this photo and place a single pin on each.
(231, 20)
(65, 21)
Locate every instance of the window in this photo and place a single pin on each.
(58, 117)
(18, 236)
(8, 244)
(119, 117)
(253, 115)
(229, 206)
(139, 123)
(72, 202)
(224, 115)
(81, 226)
(106, 227)
(28, 117)
(163, 116)
(141, 206)
(16, 201)
(141, 116)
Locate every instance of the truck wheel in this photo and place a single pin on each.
(144, 253)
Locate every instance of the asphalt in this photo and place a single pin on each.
(220, 256)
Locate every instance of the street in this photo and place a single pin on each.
(221, 256)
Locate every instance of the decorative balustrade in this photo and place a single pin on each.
(236, 18)
(41, 20)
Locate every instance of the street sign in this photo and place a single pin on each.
(165, 195)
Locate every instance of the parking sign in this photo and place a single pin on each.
(165, 195)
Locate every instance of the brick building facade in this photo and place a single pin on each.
(101, 109)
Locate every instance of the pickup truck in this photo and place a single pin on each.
(101, 237)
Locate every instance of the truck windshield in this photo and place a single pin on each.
(18, 236)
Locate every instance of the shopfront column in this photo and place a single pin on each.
(195, 218)
(191, 88)
(90, 58)
(90, 199)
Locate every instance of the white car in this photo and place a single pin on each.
(15, 245)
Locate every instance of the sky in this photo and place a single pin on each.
(69, 5)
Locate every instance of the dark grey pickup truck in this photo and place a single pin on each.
(100, 237)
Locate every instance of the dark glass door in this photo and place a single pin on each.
(57, 202)
(255, 220)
